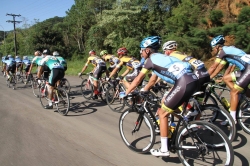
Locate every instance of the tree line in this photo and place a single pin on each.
(110, 24)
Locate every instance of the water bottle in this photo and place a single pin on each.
(157, 120)
(225, 102)
(171, 129)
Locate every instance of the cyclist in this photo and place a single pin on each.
(19, 63)
(113, 60)
(10, 66)
(172, 70)
(61, 59)
(238, 80)
(57, 73)
(170, 49)
(36, 60)
(46, 69)
(4, 65)
(27, 64)
(99, 69)
(133, 66)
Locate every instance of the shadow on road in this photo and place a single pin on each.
(241, 139)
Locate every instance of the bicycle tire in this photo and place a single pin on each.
(229, 130)
(103, 89)
(143, 139)
(243, 116)
(204, 135)
(43, 95)
(63, 101)
(87, 89)
(65, 84)
(210, 99)
(35, 88)
(114, 102)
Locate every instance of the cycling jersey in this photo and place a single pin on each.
(62, 61)
(130, 62)
(27, 63)
(36, 60)
(113, 60)
(52, 62)
(95, 60)
(234, 56)
(166, 67)
(172, 69)
(11, 65)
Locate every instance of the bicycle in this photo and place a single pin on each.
(11, 81)
(60, 97)
(65, 84)
(243, 108)
(195, 142)
(87, 87)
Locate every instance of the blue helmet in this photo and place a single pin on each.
(151, 42)
(218, 40)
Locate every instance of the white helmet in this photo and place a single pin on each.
(25, 58)
(17, 56)
(169, 45)
(55, 53)
(9, 56)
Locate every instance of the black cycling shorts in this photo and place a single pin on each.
(55, 75)
(99, 70)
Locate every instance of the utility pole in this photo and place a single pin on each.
(14, 23)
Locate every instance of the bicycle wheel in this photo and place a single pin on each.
(243, 116)
(136, 130)
(63, 102)
(198, 146)
(65, 84)
(207, 112)
(43, 95)
(103, 89)
(87, 89)
(209, 99)
(112, 98)
(35, 88)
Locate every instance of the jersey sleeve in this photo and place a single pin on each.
(220, 57)
(148, 65)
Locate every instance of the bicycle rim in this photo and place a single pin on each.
(65, 84)
(114, 102)
(43, 95)
(63, 101)
(141, 140)
(243, 117)
(198, 146)
(35, 88)
(229, 129)
(87, 89)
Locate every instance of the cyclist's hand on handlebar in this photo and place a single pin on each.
(144, 93)
(107, 78)
(79, 74)
(120, 77)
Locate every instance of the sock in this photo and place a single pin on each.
(164, 144)
(96, 92)
(233, 114)
(50, 102)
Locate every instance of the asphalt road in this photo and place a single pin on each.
(89, 135)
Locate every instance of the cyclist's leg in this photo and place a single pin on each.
(55, 76)
(180, 93)
(130, 77)
(99, 70)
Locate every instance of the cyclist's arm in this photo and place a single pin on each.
(116, 69)
(136, 82)
(125, 73)
(151, 82)
(216, 67)
(85, 66)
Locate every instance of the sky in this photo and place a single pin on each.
(31, 10)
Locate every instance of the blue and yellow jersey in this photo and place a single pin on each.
(195, 63)
(233, 55)
(166, 67)
(95, 60)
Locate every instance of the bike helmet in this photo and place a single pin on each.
(17, 57)
(92, 52)
(122, 51)
(103, 52)
(218, 40)
(25, 58)
(151, 42)
(46, 51)
(55, 53)
(169, 45)
(9, 56)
